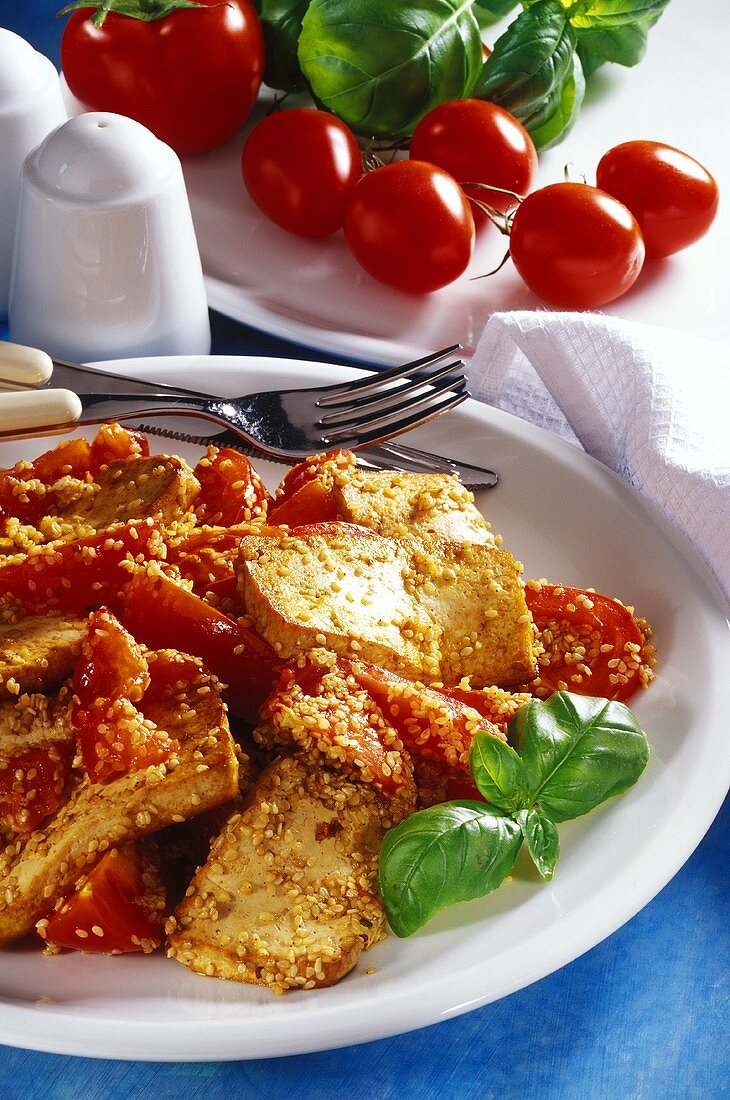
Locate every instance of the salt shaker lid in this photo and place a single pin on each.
(101, 158)
(25, 74)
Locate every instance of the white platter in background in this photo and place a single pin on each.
(313, 292)
(569, 519)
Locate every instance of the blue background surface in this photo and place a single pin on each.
(643, 1015)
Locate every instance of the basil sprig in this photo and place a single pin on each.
(281, 22)
(538, 66)
(571, 753)
(381, 65)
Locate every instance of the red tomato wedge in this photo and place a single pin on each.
(311, 503)
(230, 489)
(593, 645)
(161, 614)
(340, 724)
(112, 912)
(431, 724)
(26, 491)
(114, 737)
(113, 443)
(32, 784)
(75, 576)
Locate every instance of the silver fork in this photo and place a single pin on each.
(287, 424)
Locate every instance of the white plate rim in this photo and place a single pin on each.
(90, 1034)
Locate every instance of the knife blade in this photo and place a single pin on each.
(385, 456)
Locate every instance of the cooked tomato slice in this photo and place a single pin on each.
(311, 503)
(113, 911)
(113, 443)
(27, 490)
(338, 724)
(307, 470)
(115, 737)
(88, 572)
(593, 645)
(32, 784)
(112, 665)
(432, 725)
(163, 615)
(71, 458)
(230, 489)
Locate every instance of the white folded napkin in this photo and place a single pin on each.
(652, 404)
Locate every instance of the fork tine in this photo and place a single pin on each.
(413, 420)
(382, 378)
(344, 410)
(385, 416)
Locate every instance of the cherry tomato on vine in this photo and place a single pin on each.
(190, 76)
(576, 246)
(409, 225)
(673, 198)
(478, 142)
(299, 167)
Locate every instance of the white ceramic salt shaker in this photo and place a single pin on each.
(30, 106)
(106, 261)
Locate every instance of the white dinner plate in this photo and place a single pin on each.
(568, 518)
(315, 293)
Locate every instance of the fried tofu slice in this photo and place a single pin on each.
(39, 652)
(162, 487)
(34, 720)
(403, 505)
(35, 873)
(288, 897)
(436, 611)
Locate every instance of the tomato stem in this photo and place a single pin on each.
(499, 267)
(147, 11)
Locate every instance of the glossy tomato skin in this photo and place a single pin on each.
(113, 911)
(299, 167)
(478, 142)
(576, 246)
(673, 198)
(409, 225)
(191, 77)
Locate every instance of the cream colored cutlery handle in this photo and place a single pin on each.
(24, 366)
(29, 410)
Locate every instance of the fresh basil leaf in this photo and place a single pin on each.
(381, 66)
(448, 853)
(613, 13)
(541, 837)
(577, 751)
(281, 22)
(623, 45)
(498, 772)
(589, 61)
(529, 64)
(572, 92)
(490, 11)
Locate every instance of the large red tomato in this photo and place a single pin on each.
(576, 246)
(673, 198)
(478, 142)
(299, 167)
(410, 226)
(191, 76)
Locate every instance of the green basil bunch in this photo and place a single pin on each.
(381, 65)
(538, 66)
(570, 754)
(281, 22)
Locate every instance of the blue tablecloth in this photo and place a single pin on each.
(643, 1015)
